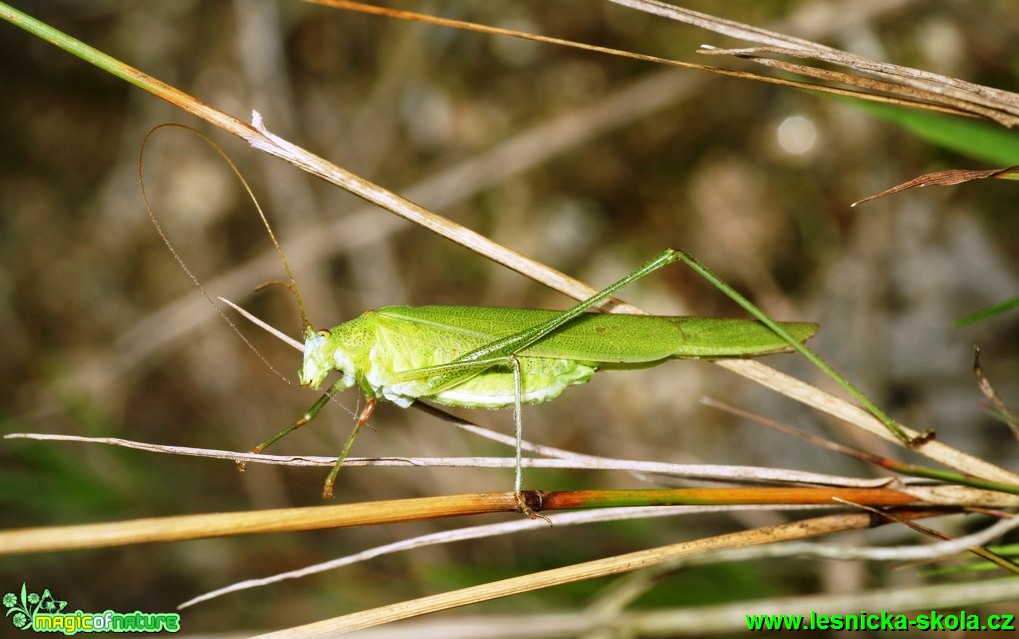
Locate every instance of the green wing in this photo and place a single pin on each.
(597, 337)
(712, 338)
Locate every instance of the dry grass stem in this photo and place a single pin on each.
(851, 414)
(712, 472)
(995, 104)
(518, 525)
(184, 527)
(569, 574)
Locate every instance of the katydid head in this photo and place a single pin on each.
(323, 354)
(318, 361)
(344, 349)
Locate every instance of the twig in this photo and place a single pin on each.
(715, 472)
(490, 530)
(569, 574)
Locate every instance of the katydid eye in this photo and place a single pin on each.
(323, 333)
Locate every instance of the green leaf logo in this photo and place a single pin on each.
(22, 609)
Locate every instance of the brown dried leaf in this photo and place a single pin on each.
(950, 177)
(946, 92)
(1004, 411)
(924, 95)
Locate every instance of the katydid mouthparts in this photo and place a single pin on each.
(485, 357)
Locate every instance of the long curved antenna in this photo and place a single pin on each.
(183, 264)
(291, 282)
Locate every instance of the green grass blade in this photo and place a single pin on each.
(986, 313)
(972, 138)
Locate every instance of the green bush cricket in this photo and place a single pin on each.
(487, 357)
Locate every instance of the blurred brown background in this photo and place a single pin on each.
(589, 163)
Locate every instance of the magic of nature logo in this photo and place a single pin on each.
(45, 613)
